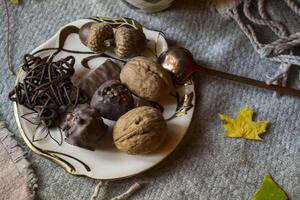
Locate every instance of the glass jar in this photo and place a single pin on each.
(150, 5)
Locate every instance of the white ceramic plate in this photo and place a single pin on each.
(106, 162)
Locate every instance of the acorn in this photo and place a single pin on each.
(129, 42)
(96, 36)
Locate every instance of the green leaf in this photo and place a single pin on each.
(269, 190)
(116, 22)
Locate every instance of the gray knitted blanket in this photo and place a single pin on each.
(206, 165)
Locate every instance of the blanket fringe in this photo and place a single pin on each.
(133, 189)
(18, 157)
(281, 50)
(223, 6)
(124, 196)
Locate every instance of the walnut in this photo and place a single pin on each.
(112, 99)
(146, 78)
(140, 131)
(129, 42)
(94, 36)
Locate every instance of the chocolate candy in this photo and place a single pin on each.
(112, 100)
(107, 71)
(46, 88)
(84, 127)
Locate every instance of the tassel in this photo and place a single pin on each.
(133, 189)
(96, 191)
(223, 6)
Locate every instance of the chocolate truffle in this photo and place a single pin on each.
(140, 131)
(107, 71)
(146, 78)
(84, 127)
(112, 99)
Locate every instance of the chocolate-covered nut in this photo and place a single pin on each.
(84, 127)
(107, 71)
(140, 131)
(112, 99)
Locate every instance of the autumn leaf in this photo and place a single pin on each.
(269, 190)
(244, 126)
(15, 1)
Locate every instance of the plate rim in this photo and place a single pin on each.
(57, 160)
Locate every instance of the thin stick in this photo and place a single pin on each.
(257, 83)
(243, 159)
(8, 38)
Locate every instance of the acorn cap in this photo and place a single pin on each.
(93, 35)
(130, 42)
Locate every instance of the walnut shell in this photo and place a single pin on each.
(93, 35)
(146, 78)
(140, 131)
(129, 42)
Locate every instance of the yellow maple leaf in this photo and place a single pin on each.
(243, 126)
(14, 1)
